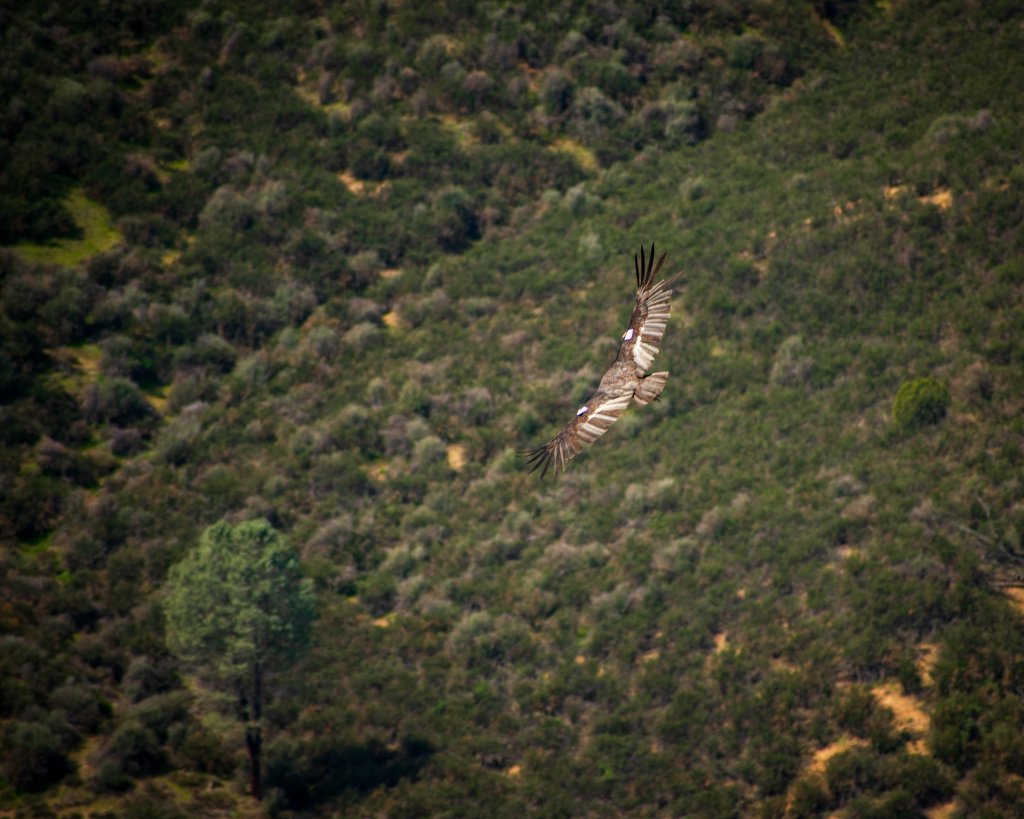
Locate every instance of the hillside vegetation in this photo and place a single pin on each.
(335, 269)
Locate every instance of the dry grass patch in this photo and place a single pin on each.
(942, 198)
(821, 757)
(783, 666)
(861, 508)
(721, 643)
(461, 129)
(926, 662)
(584, 157)
(944, 811)
(310, 94)
(845, 552)
(86, 358)
(893, 192)
(157, 399)
(846, 212)
(1016, 597)
(834, 34)
(98, 234)
(80, 366)
(908, 713)
(357, 187)
(815, 769)
(456, 456)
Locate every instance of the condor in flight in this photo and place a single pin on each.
(626, 380)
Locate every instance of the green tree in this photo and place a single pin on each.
(238, 606)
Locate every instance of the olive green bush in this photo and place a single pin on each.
(920, 402)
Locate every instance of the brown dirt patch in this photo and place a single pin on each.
(944, 811)
(1016, 598)
(908, 713)
(942, 199)
(821, 757)
(456, 456)
(360, 188)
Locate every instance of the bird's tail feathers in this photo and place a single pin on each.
(650, 388)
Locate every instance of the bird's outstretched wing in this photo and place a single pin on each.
(591, 422)
(619, 385)
(640, 342)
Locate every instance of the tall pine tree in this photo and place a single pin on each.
(237, 607)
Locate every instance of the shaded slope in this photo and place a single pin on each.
(863, 231)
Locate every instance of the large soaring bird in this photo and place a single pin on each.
(626, 380)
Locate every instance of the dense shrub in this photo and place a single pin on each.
(60, 461)
(919, 402)
(592, 114)
(126, 442)
(23, 667)
(135, 750)
(115, 401)
(146, 677)
(33, 755)
(854, 772)
(109, 776)
(556, 92)
(742, 51)
(124, 357)
(31, 503)
(369, 162)
(81, 705)
(661, 629)
(956, 730)
(927, 780)
(66, 313)
(454, 219)
(204, 751)
(158, 713)
(209, 351)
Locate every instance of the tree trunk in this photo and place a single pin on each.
(253, 734)
(253, 741)
(249, 712)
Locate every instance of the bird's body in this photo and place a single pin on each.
(626, 380)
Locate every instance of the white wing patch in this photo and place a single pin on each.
(583, 409)
(628, 334)
(652, 328)
(605, 414)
